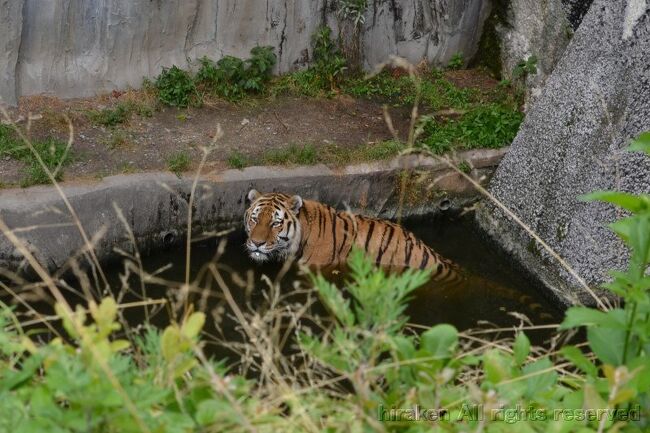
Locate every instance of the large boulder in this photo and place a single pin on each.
(573, 142)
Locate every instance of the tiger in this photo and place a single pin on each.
(281, 226)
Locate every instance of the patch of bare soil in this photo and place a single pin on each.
(147, 142)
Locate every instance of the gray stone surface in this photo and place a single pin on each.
(534, 28)
(155, 204)
(576, 11)
(11, 22)
(572, 142)
(76, 48)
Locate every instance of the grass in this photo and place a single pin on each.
(118, 139)
(179, 162)
(120, 114)
(291, 155)
(237, 160)
(51, 150)
(310, 154)
(490, 126)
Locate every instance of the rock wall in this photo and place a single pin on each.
(73, 48)
(572, 142)
(540, 28)
(534, 28)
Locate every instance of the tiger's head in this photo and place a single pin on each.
(272, 225)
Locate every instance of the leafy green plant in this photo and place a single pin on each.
(489, 126)
(176, 88)
(365, 372)
(232, 77)
(353, 10)
(179, 162)
(457, 61)
(525, 68)
(620, 337)
(329, 64)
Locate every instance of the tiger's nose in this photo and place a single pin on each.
(258, 243)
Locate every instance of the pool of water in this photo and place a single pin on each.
(498, 289)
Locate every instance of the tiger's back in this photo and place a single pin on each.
(325, 237)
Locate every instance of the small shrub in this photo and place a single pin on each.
(325, 74)
(457, 61)
(525, 68)
(232, 77)
(176, 88)
(353, 10)
(329, 63)
(178, 162)
(491, 126)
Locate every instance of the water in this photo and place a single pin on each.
(500, 286)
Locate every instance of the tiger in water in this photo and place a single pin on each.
(280, 226)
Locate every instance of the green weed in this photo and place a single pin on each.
(292, 155)
(457, 61)
(490, 126)
(232, 77)
(237, 160)
(52, 152)
(176, 88)
(179, 162)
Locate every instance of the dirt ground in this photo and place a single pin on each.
(145, 143)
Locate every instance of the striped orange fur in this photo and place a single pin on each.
(282, 226)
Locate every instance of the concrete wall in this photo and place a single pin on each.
(73, 48)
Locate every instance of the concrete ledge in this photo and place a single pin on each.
(155, 204)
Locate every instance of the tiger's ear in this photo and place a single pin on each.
(296, 204)
(253, 195)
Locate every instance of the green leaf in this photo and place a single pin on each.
(440, 341)
(631, 202)
(521, 348)
(635, 231)
(193, 325)
(584, 316)
(539, 382)
(578, 359)
(607, 343)
(496, 366)
(641, 144)
(169, 342)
